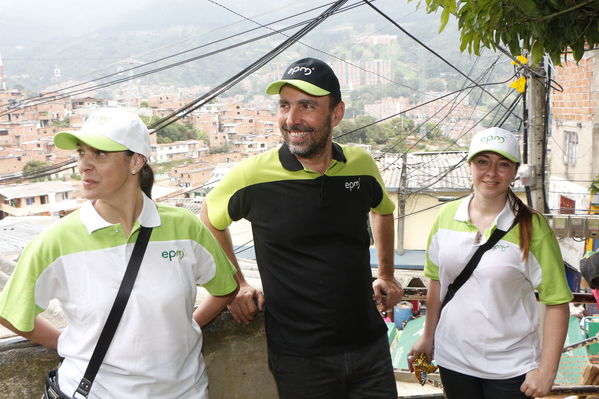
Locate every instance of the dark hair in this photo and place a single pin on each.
(333, 101)
(146, 177)
(524, 218)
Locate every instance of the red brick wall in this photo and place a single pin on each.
(578, 101)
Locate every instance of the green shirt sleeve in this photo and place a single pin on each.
(17, 300)
(553, 289)
(431, 269)
(223, 282)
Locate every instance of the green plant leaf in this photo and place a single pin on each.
(578, 49)
(444, 19)
(537, 52)
(528, 7)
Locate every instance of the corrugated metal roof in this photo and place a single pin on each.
(15, 232)
(430, 172)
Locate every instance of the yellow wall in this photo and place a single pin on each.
(418, 224)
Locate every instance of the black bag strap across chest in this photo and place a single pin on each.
(471, 265)
(116, 312)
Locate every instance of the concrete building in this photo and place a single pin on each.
(188, 149)
(574, 144)
(44, 199)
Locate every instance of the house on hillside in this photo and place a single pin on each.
(192, 175)
(574, 144)
(43, 199)
(178, 150)
(431, 179)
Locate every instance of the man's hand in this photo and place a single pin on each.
(387, 292)
(247, 302)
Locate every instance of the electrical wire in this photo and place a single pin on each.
(62, 95)
(369, 3)
(316, 49)
(187, 109)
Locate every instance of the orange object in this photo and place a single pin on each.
(422, 367)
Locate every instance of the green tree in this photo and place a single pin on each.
(594, 187)
(175, 132)
(31, 166)
(534, 26)
(342, 133)
(61, 122)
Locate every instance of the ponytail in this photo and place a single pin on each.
(146, 177)
(524, 219)
(146, 180)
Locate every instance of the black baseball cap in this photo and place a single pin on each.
(310, 75)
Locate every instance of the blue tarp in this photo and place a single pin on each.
(411, 259)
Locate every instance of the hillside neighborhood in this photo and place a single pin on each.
(234, 129)
(40, 183)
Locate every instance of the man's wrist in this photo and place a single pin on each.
(386, 273)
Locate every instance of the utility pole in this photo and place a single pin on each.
(536, 135)
(401, 200)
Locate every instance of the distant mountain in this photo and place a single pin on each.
(86, 40)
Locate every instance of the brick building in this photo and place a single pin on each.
(574, 140)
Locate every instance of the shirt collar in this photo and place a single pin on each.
(291, 163)
(503, 221)
(92, 220)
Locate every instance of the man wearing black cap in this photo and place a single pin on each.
(309, 203)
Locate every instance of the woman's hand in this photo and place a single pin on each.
(422, 345)
(537, 383)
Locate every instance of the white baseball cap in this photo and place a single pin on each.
(109, 129)
(497, 140)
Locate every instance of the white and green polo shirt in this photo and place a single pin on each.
(81, 259)
(490, 327)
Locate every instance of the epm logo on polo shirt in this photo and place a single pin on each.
(500, 247)
(352, 185)
(179, 253)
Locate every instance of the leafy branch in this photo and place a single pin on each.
(536, 27)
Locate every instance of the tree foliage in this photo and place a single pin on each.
(32, 166)
(175, 132)
(533, 26)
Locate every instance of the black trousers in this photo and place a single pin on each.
(461, 386)
(366, 373)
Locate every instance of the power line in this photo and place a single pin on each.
(369, 3)
(44, 100)
(187, 109)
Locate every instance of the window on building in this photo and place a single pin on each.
(43, 199)
(30, 201)
(570, 147)
(566, 205)
(64, 196)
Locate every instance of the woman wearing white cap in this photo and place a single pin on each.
(486, 339)
(81, 260)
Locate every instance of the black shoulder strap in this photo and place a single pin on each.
(472, 263)
(114, 317)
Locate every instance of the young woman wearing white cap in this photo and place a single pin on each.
(81, 259)
(486, 339)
